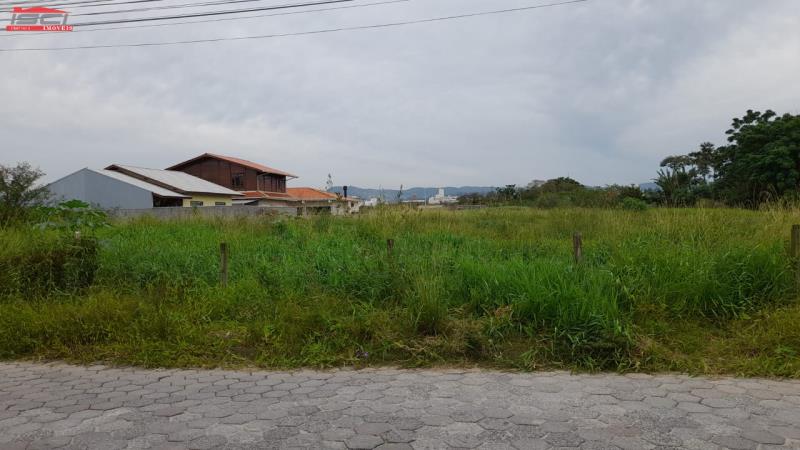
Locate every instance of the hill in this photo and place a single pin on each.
(414, 193)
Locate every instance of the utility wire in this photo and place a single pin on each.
(221, 19)
(80, 4)
(50, 5)
(215, 13)
(156, 8)
(183, 5)
(302, 33)
(212, 13)
(70, 3)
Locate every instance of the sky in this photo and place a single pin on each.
(599, 91)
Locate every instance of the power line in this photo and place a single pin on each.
(302, 33)
(183, 5)
(213, 13)
(80, 4)
(21, 3)
(222, 19)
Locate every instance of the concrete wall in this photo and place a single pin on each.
(100, 190)
(208, 200)
(208, 211)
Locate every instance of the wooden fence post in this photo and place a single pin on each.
(577, 247)
(794, 252)
(223, 264)
(389, 247)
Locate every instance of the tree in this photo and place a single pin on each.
(676, 186)
(681, 180)
(18, 193)
(705, 160)
(762, 158)
(508, 193)
(560, 184)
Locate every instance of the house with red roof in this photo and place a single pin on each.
(259, 184)
(262, 185)
(315, 201)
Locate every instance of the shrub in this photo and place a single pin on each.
(634, 204)
(45, 267)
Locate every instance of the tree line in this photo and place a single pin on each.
(760, 163)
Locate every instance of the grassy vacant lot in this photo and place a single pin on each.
(704, 291)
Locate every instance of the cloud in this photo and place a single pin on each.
(599, 91)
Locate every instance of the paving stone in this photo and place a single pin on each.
(564, 439)
(168, 412)
(237, 419)
(408, 423)
(375, 429)
(763, 437)
(207, 442)
(399, 436)
(394, 446)
(466, 416)
(185, 435)
(48, 406)
(436, 420)
(337, 434)
(363, 442)
(734, 442)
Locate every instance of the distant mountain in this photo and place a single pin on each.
(422, 193)
(649, 187)
(415, 193)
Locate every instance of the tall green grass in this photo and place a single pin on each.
(493, 286)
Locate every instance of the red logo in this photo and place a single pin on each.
(38, 18)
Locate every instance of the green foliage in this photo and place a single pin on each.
(494, 286)
(37, 265)
(561, 184)
(73, 215)
(560, 192)
(634, 204)
(762, 159)
(761, 163)
(18, 193)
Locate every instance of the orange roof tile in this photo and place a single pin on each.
(307, 193)
(268, 195)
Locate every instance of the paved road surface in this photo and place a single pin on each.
(63, 406)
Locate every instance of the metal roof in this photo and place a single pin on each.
(158, 190)
(180, 181)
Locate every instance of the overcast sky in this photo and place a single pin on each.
(600, 91)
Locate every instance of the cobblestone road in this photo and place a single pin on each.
(63, 406)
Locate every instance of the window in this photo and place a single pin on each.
(237, 181)
(196, 203)
(220, 203)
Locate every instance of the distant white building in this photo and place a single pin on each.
(372, 202)
(441, 199)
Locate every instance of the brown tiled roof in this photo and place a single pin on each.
(268, 195)
(307, 193)
(241, 162)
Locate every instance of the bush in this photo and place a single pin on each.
(634, 204)
(47, 266)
